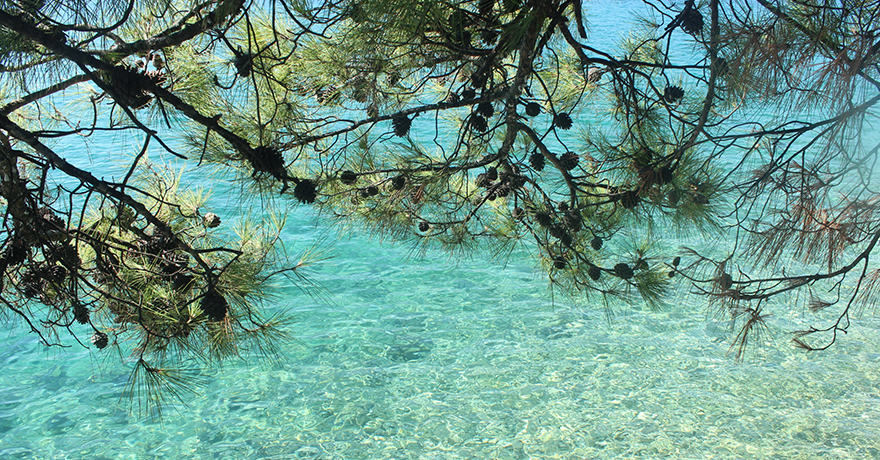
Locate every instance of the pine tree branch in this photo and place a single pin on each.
(37, 95)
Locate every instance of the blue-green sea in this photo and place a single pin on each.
(421, 357)
(417, 355)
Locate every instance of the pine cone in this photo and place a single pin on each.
(725, 281)
(348, 177)
(424, 226)
(623, 271)
(557, 231)
(486, 109)
(305, 191)
(537, 161)
(483, 180)
(479, 123)
(568, 160)
(401, 125)
(665, 175)
(594, 272)
(485, 7)
(100, 340)
(243, 63)
(211, 220)
(15, 251)
(398, 182)
(533, 109)
(54, 273)
(173, 262)
(572, 220)
(265, 159)
(492, 173)
(630, 199)
(31, 283)
(596, 243)
(63, 253)
(562, 120)
(50, 221)
(691, 20)
(543, 219)
(559, 263)
(80, 312)
(214, 305)
(672, 94)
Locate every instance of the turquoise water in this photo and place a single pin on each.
(416, 356)
(422, 358)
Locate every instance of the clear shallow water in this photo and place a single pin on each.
(421, 358)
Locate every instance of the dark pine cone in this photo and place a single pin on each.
(673, 94)
(568, 160)
(424, 226)
(630, 199)
(594, 272)
(557, 231)
(348, 177)
(398, 182)
(665, 175)
(468, 94)
(559, 263)
(305, 191)
(15, 252)
(54, 273)
(486, 109)
(691, 20)
(573, 220)
(50, 220)
(537, 161)
(100, 340)
(401, 125)
(483, 180)
(562, 120)
(80, 313)
(369, 191)
(268, 160)
(518, 213)
(479, 123)
(64, 253)
(492, 173)
(243, 63)
(533, 109)
(31, 283)
(543, 219)
(156, 244)
(515, 181)
(214, 305)
(623, 271)
(596, 243)
(181, 281)
(173, 262)
(489, 36)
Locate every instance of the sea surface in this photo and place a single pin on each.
(421, 356)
